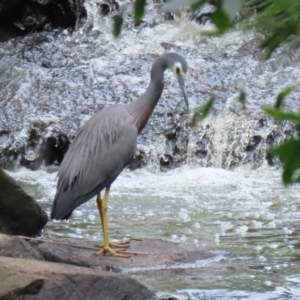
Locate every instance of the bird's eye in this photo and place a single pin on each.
(177, 70)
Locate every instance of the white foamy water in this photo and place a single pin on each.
(91, 69)
(248, 214)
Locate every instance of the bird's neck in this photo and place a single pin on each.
(142, 109)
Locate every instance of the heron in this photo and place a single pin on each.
(105, 145)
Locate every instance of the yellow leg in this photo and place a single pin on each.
(99, 200)
(123, 244)
(102, 207)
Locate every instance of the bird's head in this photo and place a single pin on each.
(179, 67)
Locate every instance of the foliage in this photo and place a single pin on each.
(222, 17)
(279, 18)
(282, 95)
(289, 151)
(139, 10)
(118, 22)
(242, 99)
(202, 112)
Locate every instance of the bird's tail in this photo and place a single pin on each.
(62, 207)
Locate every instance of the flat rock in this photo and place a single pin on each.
(20, 214)
(32, 279)
(13, 246)
(152, 254)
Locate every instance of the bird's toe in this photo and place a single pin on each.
(115, 252)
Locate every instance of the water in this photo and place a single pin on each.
(246, 214)
(50, 83)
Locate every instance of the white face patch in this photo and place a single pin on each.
(177, 69)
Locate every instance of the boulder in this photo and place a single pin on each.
(32, 279)
(20, 214)
(14, 246)
(144, 254)
(74, 273)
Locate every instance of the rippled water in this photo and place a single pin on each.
(246, 214)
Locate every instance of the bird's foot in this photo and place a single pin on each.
(115, 252)
(122, 244)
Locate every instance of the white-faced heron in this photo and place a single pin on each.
(105, 145)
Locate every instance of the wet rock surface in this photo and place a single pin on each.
(144, 254)
(51, 83)
(20, 214)
(27, 279)
(72, 271)
(14, 246)
(150, 254)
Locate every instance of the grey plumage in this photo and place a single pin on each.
(106, 144)
(86, 169)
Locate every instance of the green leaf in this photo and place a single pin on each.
(278, 36)
(278, 18)
(203, 111)
(282, 115)
(242, 99)
(220, 18)
(139, 10)
(118, 22)
(288, 153)
(282, 95)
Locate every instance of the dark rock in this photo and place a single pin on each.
(253, 143)
(19, 17)
(19, 213)
(27, 279)
(204, 14)
(253, 150)
(31, 279)
(108, 6)
(54, 149)
(138, 161)
(13, 246)
(154, 253)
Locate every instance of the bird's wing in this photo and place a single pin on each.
(102, 148)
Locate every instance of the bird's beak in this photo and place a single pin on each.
(182, 86)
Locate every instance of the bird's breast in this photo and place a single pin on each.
(140, 117)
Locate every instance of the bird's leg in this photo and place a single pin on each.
(123, 244)
(99, 200)
(102, 206)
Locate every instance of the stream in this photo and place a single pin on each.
(245, 215)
